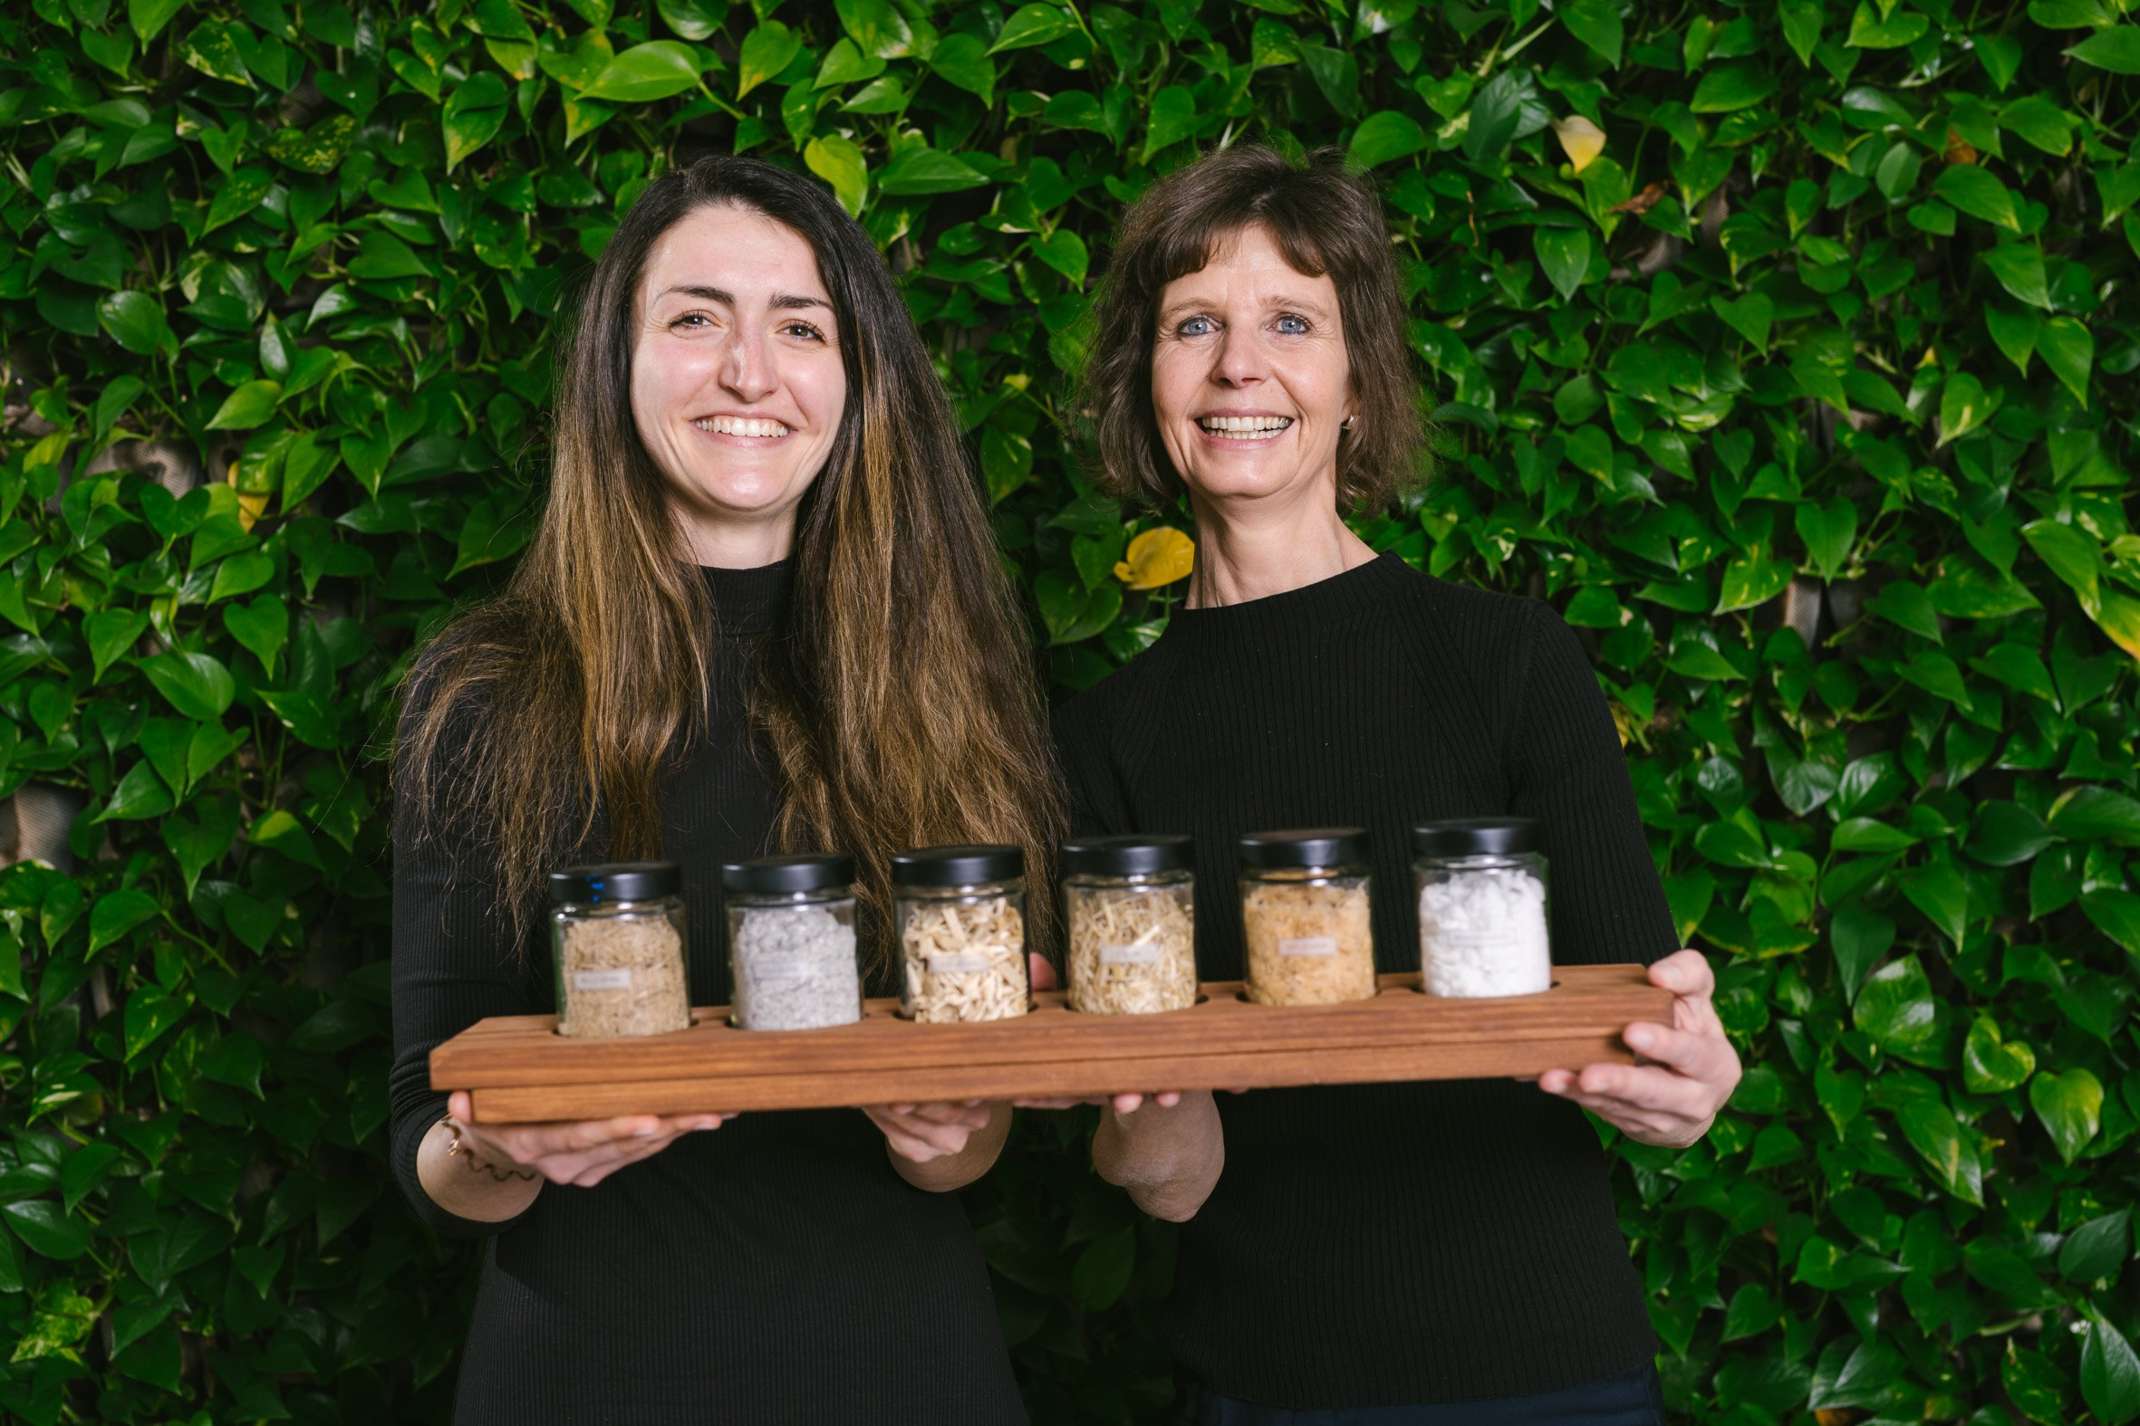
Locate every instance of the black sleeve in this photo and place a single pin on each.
(1606, 901)
(1097, 806)
(454, 963)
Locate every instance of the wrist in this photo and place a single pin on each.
(460, 1147)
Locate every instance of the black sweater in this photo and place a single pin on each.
(772, 1270)
(1388, 1244)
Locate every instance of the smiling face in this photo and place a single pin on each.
(737, 383)
(1250, 379)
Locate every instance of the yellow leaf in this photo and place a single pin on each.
(1581, 139)
(1157, 557)
(250, 506)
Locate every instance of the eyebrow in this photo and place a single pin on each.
(1299, 304)
(782, 301)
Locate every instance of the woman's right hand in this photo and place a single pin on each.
(577, 1152)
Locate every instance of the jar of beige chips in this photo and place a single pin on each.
(1131, 904)
(1305, 921)
(959, 915)
(617, 943)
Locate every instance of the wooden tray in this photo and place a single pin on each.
(516, 1069)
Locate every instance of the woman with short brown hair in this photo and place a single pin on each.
(1439, 1254)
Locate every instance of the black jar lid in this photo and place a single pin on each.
(615, 881)
(1476, 837)
(776, 876)
(956, 866)
(1128, 856)
(1305, 847)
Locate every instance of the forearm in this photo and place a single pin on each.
(1168, 1159)
(467, 1192)
(953, 1171)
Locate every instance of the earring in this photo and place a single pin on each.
(1346, 424)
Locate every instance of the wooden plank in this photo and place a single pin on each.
(516, 1068)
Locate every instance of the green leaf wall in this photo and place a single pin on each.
(1809, 400)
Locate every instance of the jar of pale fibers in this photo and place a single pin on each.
(618, 947)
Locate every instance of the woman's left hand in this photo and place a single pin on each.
(1688, 1068)
(920, 1133)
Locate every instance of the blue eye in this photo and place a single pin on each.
(1194, 327)
(1298, 327)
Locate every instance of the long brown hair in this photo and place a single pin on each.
(902, 709)
(1323, 219)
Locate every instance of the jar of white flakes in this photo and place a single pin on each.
(1131, 904)
(1305, 922)
(1482, 907)
(791, 942)
(617, 943)
(959, 914)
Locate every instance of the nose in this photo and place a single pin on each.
(1240, 359)
(747, 366)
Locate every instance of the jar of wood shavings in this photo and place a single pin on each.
(1132, 916)
(959, 913)
(1304, 916)
(617, 943)
(791, 942)
(1482, 908)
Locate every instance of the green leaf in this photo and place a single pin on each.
(1172, 118)
(1597, 24)
(2097, 814)
(1942, 894)
(919, 172)
(2098, 1248)
(1732, 87)
(1385, 136)
(1750, 580)
(261, 626)
(767, 51)
(110, 633)
(878, 29)
(140, 794)
(1963, 407)
(1860, 936)
(45, 1230)
(2071, 555)
(135, 320)
(197, 685)
(1828, 529)
(1564, 256)
(2019, 268)
(1897, 1010)
(2070, 1108)
(962, 60)
(473, 115)
(2069, 351)
(1992, 1064)
(2040, 123)
(1033, 25)
(2015, 333)
(1885, 28)
(840, 163)
(148, 17)
(660, 69)
(116, 913)
(1103, 1270)
(199, 842)
(1749, 316)
(1934, 1133)
(1978, 194)
(2116, 49)
(1801, 27)
(252, 404)
(1064, 251)
(2110, 1370)
(2007, 834)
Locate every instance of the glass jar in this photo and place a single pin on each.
(791, 942)
(1131, 904)
(959, 913)
(618, 948)
(1305, 921)
(1482, 908)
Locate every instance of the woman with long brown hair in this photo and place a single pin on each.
(762, 611)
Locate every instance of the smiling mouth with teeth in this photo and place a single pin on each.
(739, 426)
(1243, 428)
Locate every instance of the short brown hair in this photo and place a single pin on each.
(1324, 220)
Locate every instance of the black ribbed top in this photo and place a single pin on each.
(775, 1269)
(1388, 1244)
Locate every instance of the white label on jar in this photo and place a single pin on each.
(1137, 953)
(956, 962)
(1308, 946)
(601, 980)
